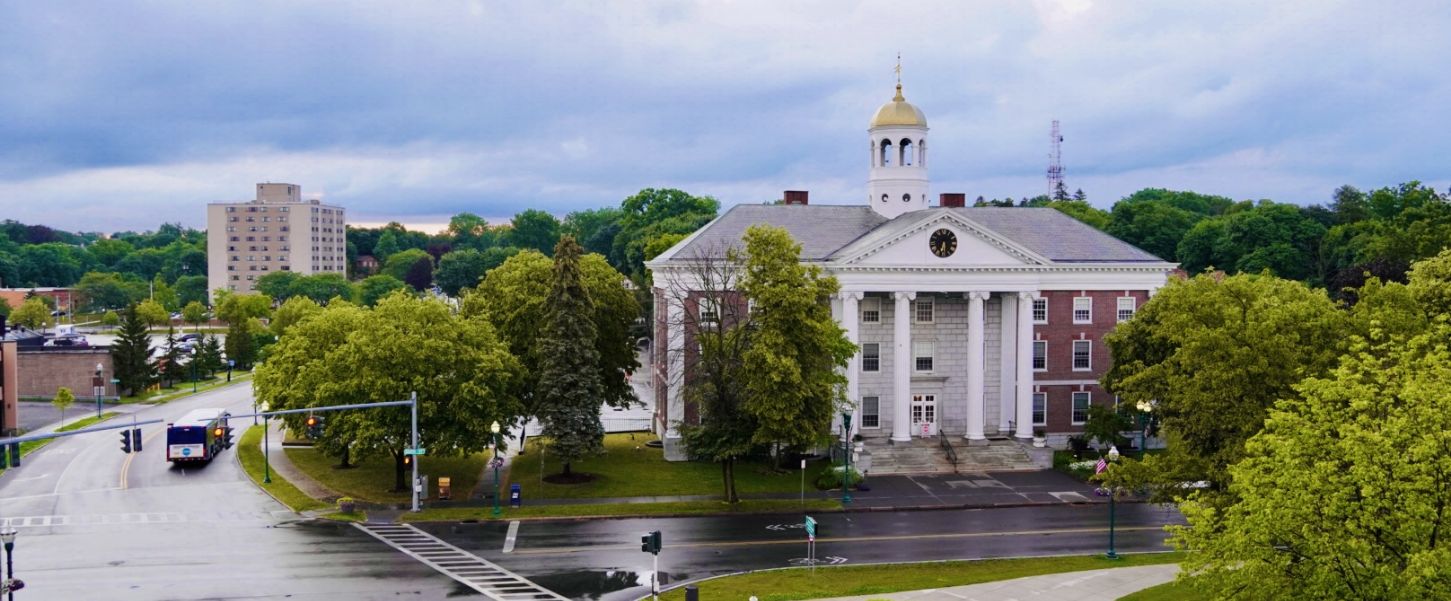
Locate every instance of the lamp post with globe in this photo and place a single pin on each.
(8, 537)
(1112, 458)
(496, 463)
(1145, 409)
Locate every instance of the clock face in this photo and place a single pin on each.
(943, 243)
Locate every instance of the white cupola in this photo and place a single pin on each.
(898, 181)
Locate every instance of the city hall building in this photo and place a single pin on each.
(978, 323)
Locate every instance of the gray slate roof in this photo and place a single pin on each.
(822, 230)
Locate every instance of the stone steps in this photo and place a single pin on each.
(926, 456)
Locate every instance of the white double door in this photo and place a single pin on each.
(924, 415)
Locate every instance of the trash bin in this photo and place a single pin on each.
(444, 487)
(515, 496)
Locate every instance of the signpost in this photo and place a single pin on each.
(811, 541)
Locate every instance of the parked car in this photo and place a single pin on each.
(70, 340)
(189, 337)
(58, 313)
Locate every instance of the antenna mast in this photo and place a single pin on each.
(1055, 160)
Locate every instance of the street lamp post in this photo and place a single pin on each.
(8, 537)
(1145, 408)
(846, 446)
(1112, 554)
(494, 427)
(99, 388)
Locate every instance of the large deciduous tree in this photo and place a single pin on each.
(568, 396)
(794, 382)
(375, 287)
(460, 269)
(33, 314)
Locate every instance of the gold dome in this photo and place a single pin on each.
(899, 112)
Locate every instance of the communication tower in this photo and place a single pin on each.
(1055, 160)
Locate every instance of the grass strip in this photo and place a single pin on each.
(371, 479)
(87, 421)
(1169, 591)
(454, 514)
(166, 395)
(249, 451)
(793, 584)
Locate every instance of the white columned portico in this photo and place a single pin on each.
(975, 366)
(1025, 364)
(850, 318)
(902, 367)
(1007, 353)
(675, 383)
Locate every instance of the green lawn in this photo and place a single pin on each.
(184, 389)
(249, 451)
(630, 469)
(804, 583)
(372, 479)
(89, 421)
(454, 514)
(1169, 591)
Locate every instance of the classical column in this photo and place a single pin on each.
(675, 375)
(975, 366)
(1025, 364)
(850, 318)
(1008, 353)
(902, 367)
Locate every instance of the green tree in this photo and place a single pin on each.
(111, 319)
(650, 213)
(63, 400)
(209, 358)
(595, 229)
(569, 389)
(536, 229)
(163, 293)
(1216, 353)
(277, 285)
(462, 372)
(101, 291)
(153, 313)
(195, 314)
(496, 256)
(110, 251)
(131, 353)
(241, 342)
(400, 262)
(192, 288)
(460, 269)
(1346, 492)
(420, 274)
(233, 308)
(514, 297)
(386, 247)
(5, 308)
(322, 287)
(374, 287)
(33, 314)
(793, 368)
(169, 367)
(291, 312)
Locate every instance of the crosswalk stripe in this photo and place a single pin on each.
(477, 573)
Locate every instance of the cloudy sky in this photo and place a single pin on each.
(119, 115)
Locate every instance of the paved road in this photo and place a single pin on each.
(97, 524)
(601, 559)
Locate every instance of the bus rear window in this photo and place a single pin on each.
(186, 435)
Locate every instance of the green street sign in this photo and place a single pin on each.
(115, 381)
(418, 451)
(810, 526)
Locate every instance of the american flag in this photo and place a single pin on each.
(1102, 465)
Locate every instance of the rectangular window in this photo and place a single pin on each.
(709, 308)
(1040, 408)
(871, 357)
(871, 310)
(924, 310)
(1040, 310)
(1126, 307)
(1082, 355)
(1080, 407)
(922, 354)
(1082, 309)
(871, 412)
(1040, 355)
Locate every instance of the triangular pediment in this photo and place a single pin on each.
(908, 242)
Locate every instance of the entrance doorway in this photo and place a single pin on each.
(924, 415)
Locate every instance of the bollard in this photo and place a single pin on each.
(692, 593)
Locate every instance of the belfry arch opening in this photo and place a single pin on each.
(885, 158)
(905, 157)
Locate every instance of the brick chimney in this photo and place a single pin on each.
(796, 197)
(953, 199)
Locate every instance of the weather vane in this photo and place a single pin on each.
(898, 69)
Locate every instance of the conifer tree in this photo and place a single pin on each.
(570, 392)
(171, 361)
(131, 353)
(241, 347)
(210, 356)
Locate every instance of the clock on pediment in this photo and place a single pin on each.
(943, 243)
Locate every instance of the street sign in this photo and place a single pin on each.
(810, 528)
(418, 451)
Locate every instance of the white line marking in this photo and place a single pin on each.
(513, 534)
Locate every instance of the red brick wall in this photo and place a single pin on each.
(1060, 332)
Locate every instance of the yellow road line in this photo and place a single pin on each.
(845, 539)
(126, 465)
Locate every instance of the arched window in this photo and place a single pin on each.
(922, 152)
(906, 153)
(906, 198)
(886, 153)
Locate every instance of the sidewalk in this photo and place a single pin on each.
(283, 467)
(1092, 585)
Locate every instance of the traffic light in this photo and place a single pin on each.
(650, 543)
(407, 460)
(314, 426)
(136, 439)
(13, 452)
(125, 441)
(227, 437)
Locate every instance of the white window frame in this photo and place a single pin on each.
(1040, 399)
(1036, 346)
(875, 414)
(1073, 407)
(931, 355)
(871, 310)
(707, 308)
(1044, 303)
(1083, 305)
(1088, 355)
(917, 305)
(877, 356)
(1132, 307)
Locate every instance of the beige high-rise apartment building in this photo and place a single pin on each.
(279, 231)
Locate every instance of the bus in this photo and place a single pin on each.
(198, 436)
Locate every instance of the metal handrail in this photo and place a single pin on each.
(947, 446)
